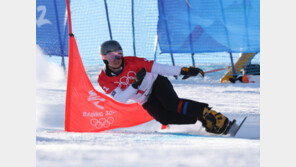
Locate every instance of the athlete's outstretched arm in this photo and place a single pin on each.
(166, 70)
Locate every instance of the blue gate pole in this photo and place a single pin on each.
(167, 34)
(246, 23)
(193, 61)
(108, 21)
(133, 29)
(228, 40)
(232, 65)
(190, 35)
(59, 35)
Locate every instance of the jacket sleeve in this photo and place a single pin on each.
(165, 70)
(123, 95)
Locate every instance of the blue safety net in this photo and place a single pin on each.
(196, 26)
(52, 27)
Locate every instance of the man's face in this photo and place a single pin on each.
(114, 59)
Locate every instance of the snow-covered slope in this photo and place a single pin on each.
(141, 146)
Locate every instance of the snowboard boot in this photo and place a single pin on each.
(215, 122)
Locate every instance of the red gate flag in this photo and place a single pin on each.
(88, 110)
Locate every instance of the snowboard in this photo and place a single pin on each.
(235, 127)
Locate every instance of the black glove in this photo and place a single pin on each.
(191, 71)
(139, 78)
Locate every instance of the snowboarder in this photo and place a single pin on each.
(144, 82)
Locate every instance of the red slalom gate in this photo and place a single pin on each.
(88, 110)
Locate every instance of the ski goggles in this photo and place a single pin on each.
(112, 56)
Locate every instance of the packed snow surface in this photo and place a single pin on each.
(146, 145)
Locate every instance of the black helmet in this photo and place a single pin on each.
(109, 46)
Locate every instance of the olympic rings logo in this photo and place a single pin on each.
(125, 80)
(102, 122)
